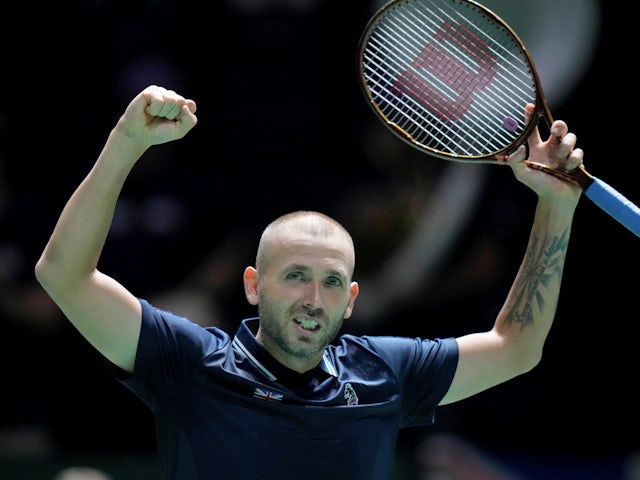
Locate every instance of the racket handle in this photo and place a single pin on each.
(614, 204)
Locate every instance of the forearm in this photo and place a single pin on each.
(76, 243)
(530, 308)
(514, 344)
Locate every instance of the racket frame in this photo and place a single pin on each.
(578, 176)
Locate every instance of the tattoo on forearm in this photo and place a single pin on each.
(544, 265)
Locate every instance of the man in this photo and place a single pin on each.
(285, 398)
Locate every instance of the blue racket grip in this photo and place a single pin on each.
(614, 204)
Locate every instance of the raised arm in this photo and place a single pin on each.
(514, 345)
(102, 310)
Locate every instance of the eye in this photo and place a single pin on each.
(334, 281)
(296, 276)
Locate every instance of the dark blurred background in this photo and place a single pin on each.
(283, 125)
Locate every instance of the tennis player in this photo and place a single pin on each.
(288, 396)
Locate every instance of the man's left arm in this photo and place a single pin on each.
(514, 345)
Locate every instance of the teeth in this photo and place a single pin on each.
(306, 323)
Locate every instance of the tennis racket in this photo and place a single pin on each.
(451, 78)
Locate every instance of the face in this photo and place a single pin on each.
(303, 294)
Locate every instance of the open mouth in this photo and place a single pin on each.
(307, 324)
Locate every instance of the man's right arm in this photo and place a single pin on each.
(102, 310)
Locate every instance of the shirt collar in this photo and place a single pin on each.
(245, 341)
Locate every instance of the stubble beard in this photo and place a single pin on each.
(279, 333)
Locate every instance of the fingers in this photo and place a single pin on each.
(565, 152)
(519, 156)
(528, 112)
(557, 132)
(558, 129)
(158, 115)
(558, 151)
(534, 137)
(574, 160)
(166, 103)
(566, 145)
(187, 118)
(560, 141)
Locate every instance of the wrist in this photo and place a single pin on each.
(126, 143)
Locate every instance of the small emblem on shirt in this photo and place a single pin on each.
(350, 395)
(267, 395)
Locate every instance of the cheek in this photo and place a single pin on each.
(277, 298)
(281, 294)
(339, 303)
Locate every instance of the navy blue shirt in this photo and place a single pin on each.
(225, 409)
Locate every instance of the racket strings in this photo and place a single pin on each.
(452, 107)
(448, 76)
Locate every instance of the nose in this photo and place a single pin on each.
(312, 301)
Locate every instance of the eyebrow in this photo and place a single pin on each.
(305, 268)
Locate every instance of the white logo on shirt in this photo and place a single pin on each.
(350, 395)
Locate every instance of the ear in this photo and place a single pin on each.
(354, 290)
(250, 279)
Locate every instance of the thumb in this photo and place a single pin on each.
(187, 119)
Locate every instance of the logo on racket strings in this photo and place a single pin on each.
(454, 78)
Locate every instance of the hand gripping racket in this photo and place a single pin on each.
(451, 78)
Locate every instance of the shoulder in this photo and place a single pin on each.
(163, 324)
(395, 350)
(394, 343)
